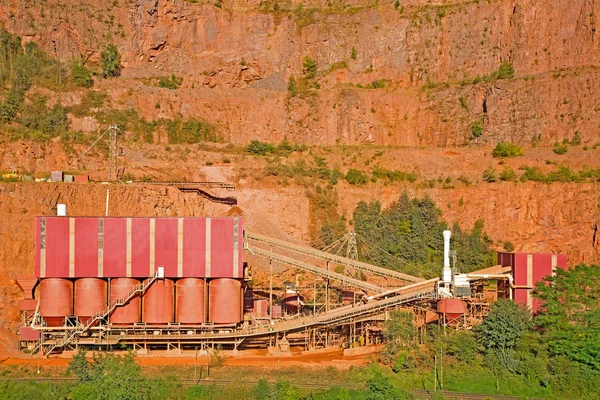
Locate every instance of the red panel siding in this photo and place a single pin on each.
(86, 247)
(562, 262)
(240, 264)
(520, 269)
(57, 247)
(115, 238)
(222, 248)
(194, 247)
(36, 254)
(506, 259)
(520, 296)
(140, 247)
(166, 245)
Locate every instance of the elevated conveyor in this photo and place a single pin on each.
(309, 251)
(369, 287)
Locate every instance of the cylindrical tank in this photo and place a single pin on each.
(56, 300)
(130, 312)
(347, 297)
(292, 302)
(90, 298)
(225, 301)
(248, 300)
(157, 303)
(190, 301)
(452, 309)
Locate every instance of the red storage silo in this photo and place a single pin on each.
(130, 312)
(90, 298)
(452, 309)
(190, 303)
(157, 303)
(225, 301)
(56, 300)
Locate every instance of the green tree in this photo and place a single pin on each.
(81, 75)
(570, 314)
(111, 61)
(502, 329)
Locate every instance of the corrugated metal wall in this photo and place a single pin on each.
(74, 247)
(529, 269)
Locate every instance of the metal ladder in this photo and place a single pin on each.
(139, 288)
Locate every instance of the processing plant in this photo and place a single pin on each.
(176, 283)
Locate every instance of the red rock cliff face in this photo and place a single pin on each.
(237, 60)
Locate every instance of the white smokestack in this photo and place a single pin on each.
(61, 210)
(447, 235)
(446, 271)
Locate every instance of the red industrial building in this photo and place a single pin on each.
(86, 263)
(527, 270)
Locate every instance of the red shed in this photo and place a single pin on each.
(87, 247)
(528, 269)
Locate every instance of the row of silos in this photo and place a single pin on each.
(165, 301)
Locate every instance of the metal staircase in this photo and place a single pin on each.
(138, 289)
(309, 251)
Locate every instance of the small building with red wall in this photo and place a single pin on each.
(528, 269)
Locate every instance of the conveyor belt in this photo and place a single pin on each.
(369, 287)
(332, 257)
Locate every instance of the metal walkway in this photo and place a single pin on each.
(337, 316)
(309, 251)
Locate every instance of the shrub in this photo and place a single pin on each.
(192, 131)
(111, 61)
(259, 148)
(81, 75)
(172, 82)
(508, 174)
(376, 84)
(576, 141)
(292, 86)
(356, 177)
(507, 149)
(489, 175)
(560, 148)
(506, 71)
(508, 246)
(476, 129)
(309, 67)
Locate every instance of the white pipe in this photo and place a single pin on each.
(107, 196)
(500, 276)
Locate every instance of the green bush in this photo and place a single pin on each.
(576, 141)
(292, 86)
(507, 149)
(356, 177)
(111, 61)
(170, 82)
(508, 174)
(489, 175)
(476, 129)
(506, 71)
(376, 84)
(560, 148)
(309, 68)
(191, 131)
(81, 75)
